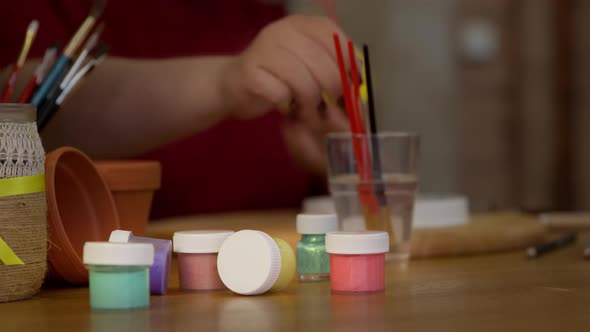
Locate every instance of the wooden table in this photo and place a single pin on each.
(500, 292)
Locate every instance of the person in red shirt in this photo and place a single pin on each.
(194, 85)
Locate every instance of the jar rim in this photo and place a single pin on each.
(13, 112)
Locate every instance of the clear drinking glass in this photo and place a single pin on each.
(381, 198)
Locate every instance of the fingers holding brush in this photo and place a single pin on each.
(291, 66)
(265, 77)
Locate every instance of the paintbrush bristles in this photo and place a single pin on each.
(84, 29)
(48, 59)
(31, 33)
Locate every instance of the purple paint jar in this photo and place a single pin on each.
(160, 270)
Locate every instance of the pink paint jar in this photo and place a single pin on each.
(357, 261)
(197, 259)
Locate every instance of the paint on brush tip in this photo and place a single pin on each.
(33, 26)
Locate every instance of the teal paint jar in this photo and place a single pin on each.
(119, 277)
(313, 262)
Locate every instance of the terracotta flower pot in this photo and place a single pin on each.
(132, 183)
(80, 208)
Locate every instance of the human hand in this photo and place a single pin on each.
(289, 65)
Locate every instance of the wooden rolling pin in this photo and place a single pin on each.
(566, 220)
(486, 233)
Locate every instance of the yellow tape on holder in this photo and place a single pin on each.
(22, 185)
(7, 256)
(13, 187)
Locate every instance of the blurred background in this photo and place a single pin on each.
(498, 89)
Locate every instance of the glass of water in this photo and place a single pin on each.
(382, 197)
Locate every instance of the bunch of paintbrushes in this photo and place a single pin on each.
(365, 144)
(55, 77)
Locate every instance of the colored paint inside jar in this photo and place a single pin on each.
(119, 287)
(160, 270)
(313, 262)
(197, 259)
(358, 273)
(357, 261)
(119, 276)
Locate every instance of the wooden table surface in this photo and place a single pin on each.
(500, 292)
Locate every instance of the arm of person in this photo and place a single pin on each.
(128, 106)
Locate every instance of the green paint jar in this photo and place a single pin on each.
(313, 263)
(119, 276)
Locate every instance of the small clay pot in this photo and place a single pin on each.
(80, 209)
(132, 183)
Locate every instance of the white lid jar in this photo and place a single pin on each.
(251, 262)
(197, 258)
(160, 270)
(313, 262)
(357, 261)
(118, 274)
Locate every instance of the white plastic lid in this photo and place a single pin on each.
(318, 205)
(440, 210)
(354, 224)
(120, 236)
(249, 262)
(357, 243)
(199, 242)
(316, 223)
(109, 253)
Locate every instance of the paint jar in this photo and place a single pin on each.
(197, 258)
(118, 274)
(251, 263)
(160, 270)
(357, 261)
(313, 262)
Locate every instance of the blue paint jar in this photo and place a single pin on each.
(119, 274)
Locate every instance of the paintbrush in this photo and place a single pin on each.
(68, 54)
(39, 74)
(52, 106)
(11, 83)
(70, 71)
(88, 47)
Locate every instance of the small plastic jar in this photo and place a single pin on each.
(160, 270)
(252, 263)
(119, 276)
(357, 261)
(313, 262)
(197, 259)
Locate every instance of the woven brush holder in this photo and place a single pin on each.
(23, 208)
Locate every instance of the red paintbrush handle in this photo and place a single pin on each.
(9, 87)
(360, 150)
(28, 92)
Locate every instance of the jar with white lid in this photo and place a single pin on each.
(160, 270)
(252, 262)
(118, 274)
(313, 262)
(197, 258)
(357, 261)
